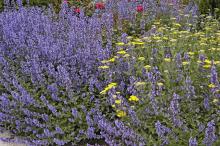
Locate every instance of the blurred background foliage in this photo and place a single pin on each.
(205, 6)
(55, 3)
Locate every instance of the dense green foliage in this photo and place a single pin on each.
(56, 3)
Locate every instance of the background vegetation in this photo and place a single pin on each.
(150, 81)
(205, 6)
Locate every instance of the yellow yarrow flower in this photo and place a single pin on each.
(185, 63)
(113, 106)
(126, 55)
(120, 113)
(184, 32)
(166, 71)
(122, 52)
(209, 17)
(110, 86)
(103, 92)
(211, 86)
(167, 59)
(140, 83)
(207, 61)
(165, 38)
(145, 38)
(160, 84)
(199, 61)
(120, 44)
(207, 66)
(201, 51)
(175, 32)
(215, 100)
(137, 40)
(156, 37)
(141, 58)
(147, 67)
(203, 44)
(177, 24)
(216, 62)
(159, 41)
(191, 53)
(173, 40)
(114, 96)
(213, 49)
(118, 101)
(133, 98)
(112, 59)
(156, 23)
(137, 43)
(104, 61)
(129, 37)
(103, 67)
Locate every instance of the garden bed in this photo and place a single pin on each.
(130, 73)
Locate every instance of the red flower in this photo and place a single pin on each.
(139, 8)
(77, 10)
(99, 6)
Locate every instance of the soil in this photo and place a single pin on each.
(7, 135)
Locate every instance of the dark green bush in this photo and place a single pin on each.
(56, 3)
(209, 6)
(206, 6)
(36, 3)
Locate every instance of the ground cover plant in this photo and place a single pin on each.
(132, 73)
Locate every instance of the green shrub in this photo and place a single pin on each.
(207, 6)
(56, 3)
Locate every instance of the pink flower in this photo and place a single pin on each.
(99, 5)
(77, 10)
(139, 8)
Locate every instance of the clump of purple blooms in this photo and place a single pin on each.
(50, 78)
